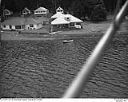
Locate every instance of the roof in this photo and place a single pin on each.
(58, 14)
(26, 10)
(72, 18)
(41, 19)
(67, 17)
(23, 21)
(14, 21)
(7, 12)
(31, 21)
(41, 9)
(60, 20)
(59, 8)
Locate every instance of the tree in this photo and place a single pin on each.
(93, 9)
(98, 13)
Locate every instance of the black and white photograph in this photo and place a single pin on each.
(64, 49)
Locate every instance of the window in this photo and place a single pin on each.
(71, 24)
(67, 18)
(4, 26)
(18, 26)
(10, 26)
(77, 23)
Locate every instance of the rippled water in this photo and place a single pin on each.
(46, 68)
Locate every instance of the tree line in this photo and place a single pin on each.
(79, 8)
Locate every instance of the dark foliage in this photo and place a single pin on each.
(79, 8)
(87, 8)
(99, 13)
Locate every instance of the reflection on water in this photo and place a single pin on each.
(46, 68)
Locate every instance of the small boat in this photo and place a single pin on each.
(67, 41)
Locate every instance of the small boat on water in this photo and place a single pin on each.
(67, 41)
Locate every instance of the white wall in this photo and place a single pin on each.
(39, 26)
(6, 27)
(27, 27)
(35, 26)
(13, 27)
(30, 28)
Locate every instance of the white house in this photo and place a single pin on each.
(26, 11)
(59, 23)
(7, 12)
(31, 24)
(60, 18)
(13, 24)
(41, 11)
(65, 21)
(21, 23)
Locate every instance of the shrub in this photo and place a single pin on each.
(98, 13)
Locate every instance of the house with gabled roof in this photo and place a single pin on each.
(65, 21)
(16, 23)
(7, 12)
(26, 11)
(41, 11)
(23, 23)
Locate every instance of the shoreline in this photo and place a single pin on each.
(91, 29)
(6, 37)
